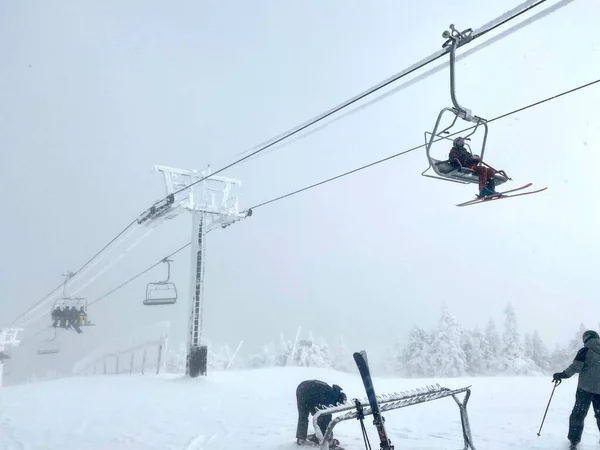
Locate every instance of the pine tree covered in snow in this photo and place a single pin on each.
(415, 360)
(540, 354)
(272, 354)
(452, 351)
(312, 353)
(528, 345)
(491, 347)
(308, 352)
(449, 359)
(513, 359)
(473, 343)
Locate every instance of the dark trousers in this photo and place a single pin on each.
(303, 413)
(583, 399)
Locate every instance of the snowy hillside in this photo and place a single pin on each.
(255, 409)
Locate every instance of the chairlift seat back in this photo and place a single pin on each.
(160, 293)
(48, 350)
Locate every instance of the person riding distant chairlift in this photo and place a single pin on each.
(68, 313)
(74, 317)
(56, 316)
(83, 318)
(62, 314)
(461, 157)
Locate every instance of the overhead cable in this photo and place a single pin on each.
(358, 169)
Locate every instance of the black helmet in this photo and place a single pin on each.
(589, 334)
(459, 142)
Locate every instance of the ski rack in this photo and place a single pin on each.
(393, 401)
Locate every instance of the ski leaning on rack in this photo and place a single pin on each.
(365, 373)
(501, 195)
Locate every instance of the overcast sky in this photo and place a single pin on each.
(94, 94)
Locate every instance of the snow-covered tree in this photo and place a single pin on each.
(560, 358)
(528, 345)
(415, 359)
(449, 359)
(272, 354)
(491, 347)
(513, 359)
(540, 354)
(473, 344)
(312, 353)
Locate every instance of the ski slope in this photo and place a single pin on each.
(255, 409)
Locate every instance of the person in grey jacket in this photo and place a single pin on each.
(587, 365)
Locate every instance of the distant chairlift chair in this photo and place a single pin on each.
(161, 292)
(48, 347)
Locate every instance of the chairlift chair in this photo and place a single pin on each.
(48, 349)
(452, 170)
(161, 292)
(49, 346)
(74, 302)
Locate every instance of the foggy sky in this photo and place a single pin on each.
(94, 94)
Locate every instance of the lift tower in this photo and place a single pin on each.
(211, 206)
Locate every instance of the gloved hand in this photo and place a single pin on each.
(559, 376)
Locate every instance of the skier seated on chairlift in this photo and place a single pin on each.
(71, 316)
(83, 320)
(461, 157)
(57, 314)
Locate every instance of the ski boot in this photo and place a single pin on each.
(573, 445)
(489, 189)
(335, 445)
(313, 438)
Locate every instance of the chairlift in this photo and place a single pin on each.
(161, 292)
(452, 170)
(49, 346)
(80, 304)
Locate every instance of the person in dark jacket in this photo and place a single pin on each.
(587, 365)
(461, 157)
(310, 395)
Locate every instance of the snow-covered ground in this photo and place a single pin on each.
(255, 409)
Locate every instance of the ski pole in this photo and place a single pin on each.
(556, 383)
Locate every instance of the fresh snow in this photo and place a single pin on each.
(255, 409)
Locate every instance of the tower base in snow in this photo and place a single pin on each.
(197, 361)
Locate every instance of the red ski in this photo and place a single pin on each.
(501, 195)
